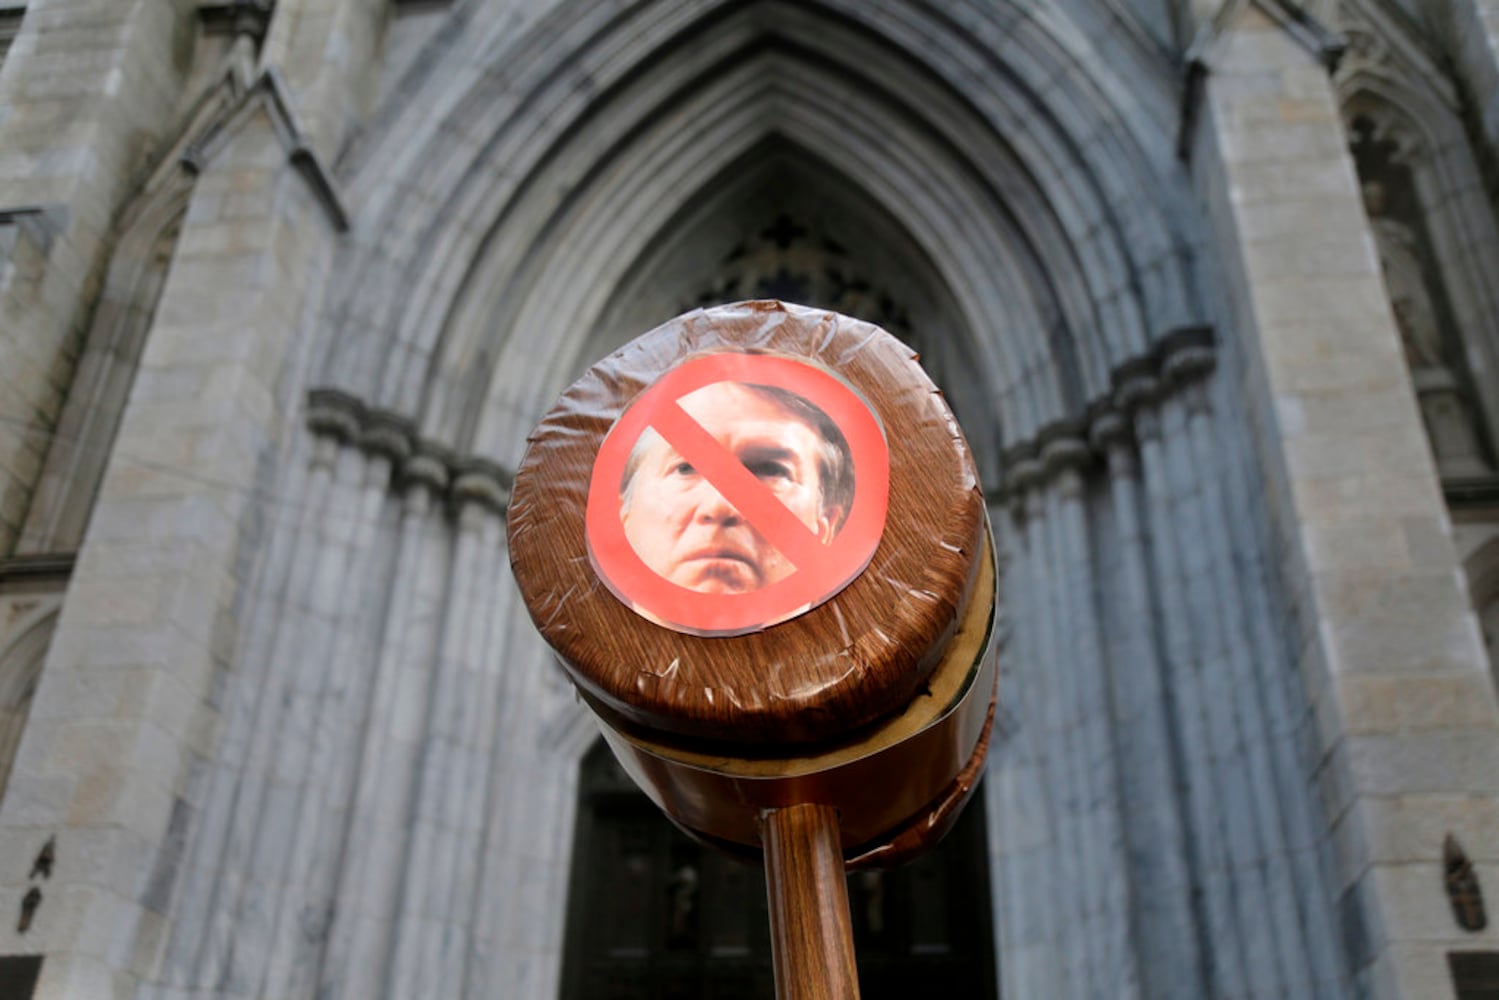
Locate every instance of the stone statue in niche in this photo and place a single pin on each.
(683, 889)
(1445, 408)
(1410, 298)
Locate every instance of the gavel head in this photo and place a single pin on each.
(755, 539)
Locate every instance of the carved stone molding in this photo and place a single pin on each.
(388, 434)
(483, 482)
(1186, 355)
(341, 418)
(1180, 362)
(1136, 386)
(1112, 435)
(269, 91)
(1108, 429)
(334, 414)
(1380, 47)
(1022, 471)
(1063, 448)
(428, 467)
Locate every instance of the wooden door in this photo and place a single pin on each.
(655, 916)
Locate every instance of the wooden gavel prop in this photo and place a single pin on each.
(833, 716)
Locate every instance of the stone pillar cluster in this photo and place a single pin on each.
(1148, 787)
(353, 808)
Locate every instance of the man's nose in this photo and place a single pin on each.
(713, 508)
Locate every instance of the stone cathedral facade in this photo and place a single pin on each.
(1213, 286)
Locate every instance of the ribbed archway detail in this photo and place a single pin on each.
(1052, 230)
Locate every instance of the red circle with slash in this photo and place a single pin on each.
(821, 569)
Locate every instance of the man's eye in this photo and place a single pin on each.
(769, 469)
(683, 469)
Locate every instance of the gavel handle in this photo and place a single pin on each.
(811, 935)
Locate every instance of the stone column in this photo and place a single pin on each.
(1008, 826)
(1220, 449)
(282, 788)
(1242, 817)
(1037, 857)
(487, 485)
(1088, 732)
(1170, 956)
(543, 734)
(1022, 828)
(1257, 826)
(312, 851)
(370, 872)
(535, 944)
(1388, 646)
(431, 936)
(1226, 962)
(1062, 908)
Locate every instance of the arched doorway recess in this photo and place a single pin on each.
(975, 174)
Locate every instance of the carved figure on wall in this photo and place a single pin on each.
(1396, 220)
(1463, 889)
(1405, 280)
(683, 889)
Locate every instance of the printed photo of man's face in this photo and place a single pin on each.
(682, 527)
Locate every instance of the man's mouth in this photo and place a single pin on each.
(723, 570)
(721, 553)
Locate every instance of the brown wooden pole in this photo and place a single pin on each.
(811, 935)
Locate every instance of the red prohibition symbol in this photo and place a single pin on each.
(736, 492)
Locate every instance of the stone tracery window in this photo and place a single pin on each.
(792, 261)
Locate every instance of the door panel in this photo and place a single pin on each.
(655, 916)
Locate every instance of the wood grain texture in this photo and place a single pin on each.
(883, 777)
(926, 830)
(811, 934)
(859, 657)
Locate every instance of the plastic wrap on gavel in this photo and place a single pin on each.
(877, 699)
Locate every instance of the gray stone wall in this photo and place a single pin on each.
(1408, 735)
(87, 87)
(294, 735)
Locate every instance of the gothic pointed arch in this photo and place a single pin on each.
(117, 332)
(535, 202)
(145, 237)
